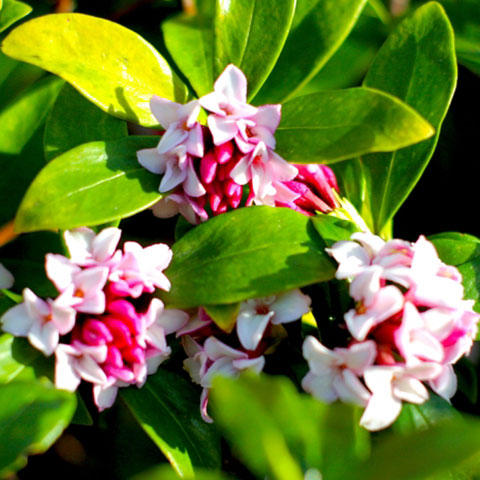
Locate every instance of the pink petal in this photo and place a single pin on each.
(241, 172)
(105, 243)
(194, 142)
(63, 318)
(174, 136)
(66, 377)
(60, 270)
(222, 129)
(89, 370)
(216, 349)
(268, 116)
(320, 386)
(232, 83)
(172, 320)
(192, 185)
(104, 396)
(250, 328)
(44, 337)
(17, 321)
(6, 278)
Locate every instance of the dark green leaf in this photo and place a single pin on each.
(167, 407)
(189, 41)
(21, 118)
(250, 34)
(247, 253)
(111, 65)
(331, 126)
(82, 415)
(224, 316)
(91, 184)
(417, 64)
(319, 27)
(11, 12)
(32, 417)
(462, 251)
(74, 120)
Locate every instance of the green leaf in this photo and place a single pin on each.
(21, 118)
(17, 359)
(91, 184)
(318, 29)
(250, 34)
(417, 64)
(112, 66)
(11, 12)
(167, 407)
(331, 126)
(74, 120)
(224, 316)
(462, 251)
(82, 415)
(441, 447)
(274, 428)
(32, 417)
(333, 229)
(247, 253)
(189, 41)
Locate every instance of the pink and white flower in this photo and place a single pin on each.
(256, 314)
(334, 374)
(215, 358)
(42, 322)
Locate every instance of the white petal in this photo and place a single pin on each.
(90, 370)
(269, 116)
(174, 136)
(63, 318)
(380, 413)
(222, 129)
(66, 377)
(290, 306)
(320, 386)
(351, 257)
(194, 142)
(250, 328)
(445, 384)
(254, 364)
(216, 349)
(192, 185)
(165, 111)
(360, 355)
(320, 359)
(366, 284)
(44, 337)
(105, 243)
(17, 321)
(172, 320)
(410, 389)
(166, 207)
(104, 396)
(60, 270)
(150, 159)
(79, 243)
(173, 177)
(350, 389)
(232, 83)
(241, 172)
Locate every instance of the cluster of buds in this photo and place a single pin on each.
(211, 351)
(410, 324)
(231, 161)
(104, 327)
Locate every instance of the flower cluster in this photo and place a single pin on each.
(410, 324)
(211, 351)
(231, 161)
(104, 327)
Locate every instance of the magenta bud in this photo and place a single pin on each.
(120, 332)
(123, 374)
(95, 332)
(231, 188)
(224, 152)
(208, 167)
(215, 201)
(114, 357)
(134, 354)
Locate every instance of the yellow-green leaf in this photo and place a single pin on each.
(112, 66)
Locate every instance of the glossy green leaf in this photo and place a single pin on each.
(74, 120)
(32, 417)
(228, 259)
(112, 66)
(11, 12)
(318, 29)
(275, 429)
(21, 118)
(17, 359)
(331, 126)
(417, 64)
(333, 229)
(250, 34)
(462, 251)
(189, 40)
(91, 184)
(437, 449)
(167, 407)
(224, 316)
